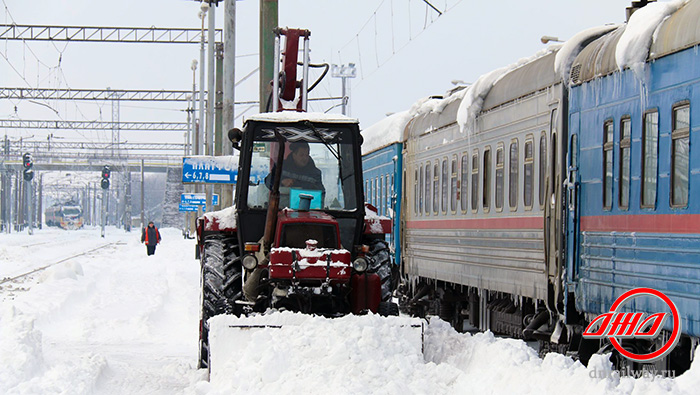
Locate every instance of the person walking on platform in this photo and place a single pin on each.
(151, 237)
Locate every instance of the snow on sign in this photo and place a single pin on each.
(209, 169)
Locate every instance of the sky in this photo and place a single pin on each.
(403, 50)
(115, 321)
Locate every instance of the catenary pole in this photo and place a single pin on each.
(268, 22)
(211, 99)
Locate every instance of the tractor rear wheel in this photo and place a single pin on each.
(382, 265)
(220, 285)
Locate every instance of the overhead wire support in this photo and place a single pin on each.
(103, 34)
(94, 94)
(92, 125)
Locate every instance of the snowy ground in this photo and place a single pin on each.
(114, 321)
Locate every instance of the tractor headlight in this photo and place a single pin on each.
(360, 265)
(250, 262)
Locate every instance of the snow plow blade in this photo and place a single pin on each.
(235, 340)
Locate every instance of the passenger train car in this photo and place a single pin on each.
(381, 165)
(67, 216)
(535, 198)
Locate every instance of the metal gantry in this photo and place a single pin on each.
(95, 94)
(92, 125)
(103, 34)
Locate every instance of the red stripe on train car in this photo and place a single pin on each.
(650, 223)
(536, 223)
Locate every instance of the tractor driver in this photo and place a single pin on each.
(298, 170)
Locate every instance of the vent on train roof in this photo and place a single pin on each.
(575, 76)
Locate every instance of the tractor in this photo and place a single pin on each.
(299, 236)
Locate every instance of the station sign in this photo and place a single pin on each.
(198, 199)
(209, 169)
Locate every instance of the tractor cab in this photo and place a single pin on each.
(320, 172)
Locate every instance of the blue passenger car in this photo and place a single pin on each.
(381, 167)
(632, 160)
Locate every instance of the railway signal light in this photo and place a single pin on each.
(104, 183)
(28, 163)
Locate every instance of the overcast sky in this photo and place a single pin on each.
(404, 51)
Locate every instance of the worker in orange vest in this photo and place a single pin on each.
(151, 237)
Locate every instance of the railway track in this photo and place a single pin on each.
(25, 274)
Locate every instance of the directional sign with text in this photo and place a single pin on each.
(198, 199)
(188, 207)
(209, 169)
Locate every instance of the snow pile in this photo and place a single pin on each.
(573, 46)
(113, 320)
(474, 95)
(372, 354)
(117, 321)
(633, 48)
(385, 132)
(309, 354)
(226, 218)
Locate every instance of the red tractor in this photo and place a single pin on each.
(299, 236)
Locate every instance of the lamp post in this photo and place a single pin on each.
(344, 72)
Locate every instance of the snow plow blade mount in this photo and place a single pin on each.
(235, 340)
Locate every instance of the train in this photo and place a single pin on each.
(67, 216)
(528, 202)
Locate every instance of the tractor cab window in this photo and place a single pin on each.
(317, 164)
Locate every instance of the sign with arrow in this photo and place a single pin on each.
(209, 169)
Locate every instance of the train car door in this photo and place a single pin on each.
(554, 221)
(572, 202)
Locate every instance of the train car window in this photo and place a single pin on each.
(625, 146)
(475, 181)
(453, 185)
(528, 175)
(436, 187)
(375, 199)
(415, 194)
(513, 175)
(608, 141)
(499, 177)
(387, 205)
(444, 185)
(420, 190)
(680, 155)
(486, 177)
(650, 158)
(382, 197)
(465, 182)
(543, 168)
(428, 182)
(366, 189)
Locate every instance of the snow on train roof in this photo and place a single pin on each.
(629, 45)
(385, 132)
(294, 116)
(633, 48)
(476, 93)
